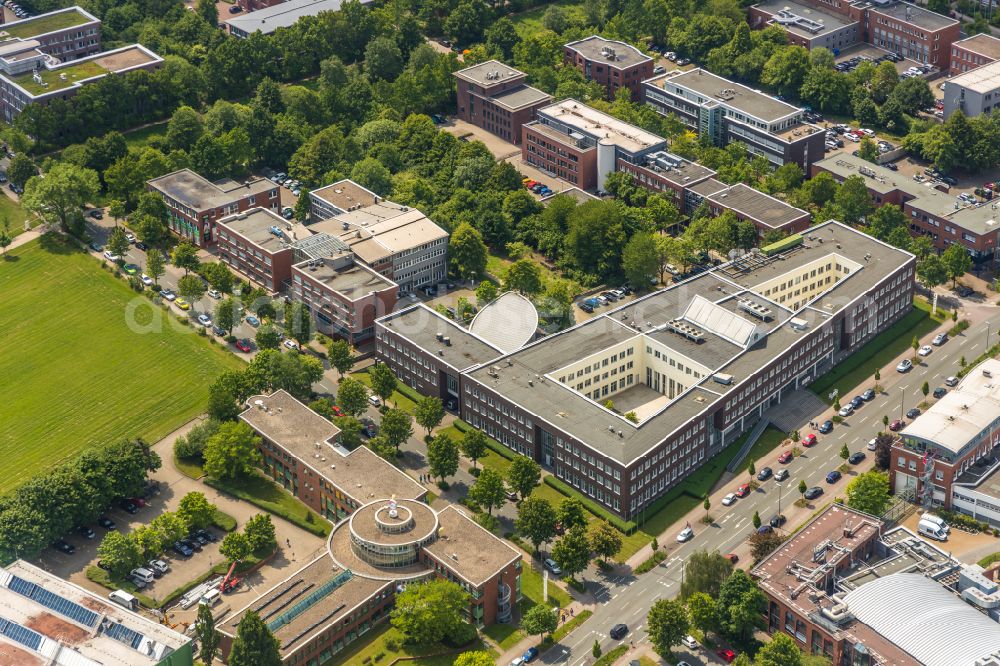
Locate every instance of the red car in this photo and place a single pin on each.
(732, 557)
(138, 501)
(896, 425)
(785, 457)
(726, 655)
(743, 490)
(243, 344)
(809, 440)
(531, 183)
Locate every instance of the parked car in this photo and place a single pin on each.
(939, 392)
(833, 477)
(872, 444)
(781, 475)
(182, 304)
(243, 344)
(726, 655)
(374, 401)
(857, 401)
(925, 350)
(64, 546)
(729, 499)
(904, 366)
(685, 534)
(764, 474)
(813, 493)
(964, 291)
(785, 457)
(183, 549)
(146, 280)
(868, 395)
(86, 532)
(913, 412)
(128, 506)
(235, 9)
(203, 533)
(690, 643)
(253, 321)
(683, 61)
(110, 256)
(777, 520)
(214, 293)
(192, 544)
(106, 523)
(618, 631)
(168, 295)
(856, 457)
(940, 339)
(951, 381)
(826, 426)
(553, 568)
(204, 319)
(158, 567)
(743, 490)
(846, 410)
(765, 529)
(896, 425)
(809, 440)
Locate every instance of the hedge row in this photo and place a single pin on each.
(493, 445)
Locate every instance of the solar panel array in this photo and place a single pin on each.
(20, 634)
(123, 634)
(304, 605)
(61, 605)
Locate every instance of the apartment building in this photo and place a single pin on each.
(582, 145)
(930, 210)
(385, 536)
(806, 25)
(495, 97)
(973, 52)
(698, 362)
(195, 204)
(610, 63)
(726, 112)
(973, 93)
(845, 588)
(947, 455)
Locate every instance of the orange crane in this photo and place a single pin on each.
(230, 582)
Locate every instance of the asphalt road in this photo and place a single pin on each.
(628, 598)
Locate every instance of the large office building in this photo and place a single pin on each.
(807, 26)
(196, 204)
(948, 455)
(698, 363)
(385, 537)
(726, 111)
(845, 588)
(974, 92)
(48, 621)
(495, 97)
(930, 210)
(582, 145)
(66, 34)
(612, 64)
(972, 52)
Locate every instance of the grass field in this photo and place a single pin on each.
(140, 137)
(530, 22)
(384, 644)
(11, 211)
(75, 374)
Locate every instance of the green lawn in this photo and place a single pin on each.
(858, 370)
(377, 647)
(497, 266)
(768, 441)
(11, 211)
(268, 495)
(76, 374)
(530, 22)
(141, 137)
(398, 400)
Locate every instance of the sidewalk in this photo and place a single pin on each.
(569, 612)
(26, 237)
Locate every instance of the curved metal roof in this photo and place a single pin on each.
(508, 322)
(929, 622)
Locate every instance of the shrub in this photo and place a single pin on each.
(444, 485)
(464, 635)
(649, 564)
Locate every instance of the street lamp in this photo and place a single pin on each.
(902, 394)
(987, 336)
(779, 498)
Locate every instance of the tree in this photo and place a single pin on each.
(302, 208)
(883, 450)
(116, 209)
(396, 427)
(117, 242)
(467, 252)
(523, 475)
(119, 553)
(572, 552)
(185, 256)
(957, 261)
(254, 645)
(931, 271)
(869, 492)
(640, 260)
(477, 658)
(571, 513)
(191, 288)
(352, 397)
(853, 199)
(868, 150)
(20, 169)
(208, 637)
(226, 314)
(781, 650)
(235, 547)
(218, 276)
(383, 380)
(786, 69)
(704, 615)
(605, 540)
(298, 322)
(259, 532)
(340, 356)
(429, 412)
(428, 612)
(667, 623)
(739, 604)
(540, 619)
(925, 388)
(755, 520)
(473, 445)
(536, 520)
(383, 59)
(488, 491)
(525, 276)
(761, 545)
(705, 572)
(845, 452)
(5, 238)
(267, 337)
(752, 469)
(185, 126)
(442, 456)
(486, 291)
(154, 265)
(803, 488)
(195, 511)
(596, 649)
(231, 453)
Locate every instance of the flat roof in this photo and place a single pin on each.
(785, 12)
(46, 620)
(488, 73)
(345, 276)
(594, 48)
(983, 44)
(675, 169)
(44, 24)
(708, 187)
(331, 592)
(345, 194)
(602, 126)
(75, 73)
(964, 412)
(199, 193)
(256, 224)
(381, 229)
(520, 97)
(573, 192)
(758, 206)
(728, 93)
(983, 79)
(283, 15)
(424, 327)
(468, 549)
(904, 12)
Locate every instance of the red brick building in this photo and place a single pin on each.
(973, 52)
(610, 63)
(495, 97)
(255, 244)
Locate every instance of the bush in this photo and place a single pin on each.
(464, 635)
(487, 521)
(649, 564)
(958, 328)
(443, 485)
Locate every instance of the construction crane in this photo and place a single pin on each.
(230, 582)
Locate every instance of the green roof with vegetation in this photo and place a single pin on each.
(52, 81)
(42, 25)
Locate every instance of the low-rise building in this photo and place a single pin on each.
(66, 34)
(974, 92)
(338, 198)
(253, 5)
(196, 204)
(610, 63)
(972, 52)
(582, 145)
(843, 587)
(765, 212)
(257, 243)
(494, 96)
(280, 15)
(807, 26)
(929, 209)
(949, 451)
(727, 112)
(48, 621)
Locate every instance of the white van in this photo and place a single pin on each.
(143, 574)
(211, 597)
(124, 599)
(937, 520)
(932, 530)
